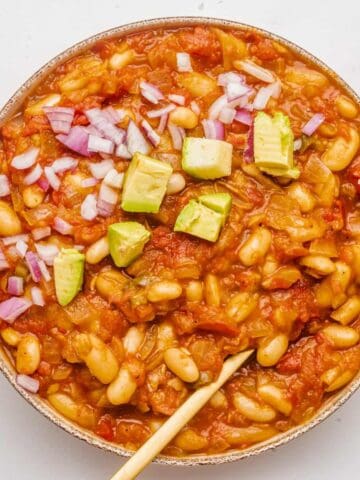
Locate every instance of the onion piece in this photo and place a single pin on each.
(34, 175)
(100, 169)
(88, 209)
(60, 118)
(4, 265)
(37, 296)
(213, 129)
(183, 62)
(62, 226)
(76, 140)
(227, 115)
(122, 152)
(113, 115)
(4, 186)
(26, 159)
(12, 308)
(44, 271)
(53, 179)
(161, 111)
(236, 90)
(163, 123)
(31, 260)
(152, 136)
(97, 144)
(195, 108)
(64, 164)
(243, 116)
(264, 94)
(114, 179)
(249, 150)
(28, 383)
(313, 124)
(179, 99)
(230, 77)
(108, 194)
(177, 136)
(135, 140)
(89, 182)
(21, 248)
(100, 121)
(47, 252)
(41, 232)
(15, 285)
(43, 184)
(105, 209)
(15, 238)
(255, 70)
(216, 107)
(151, 92)
(297, 144)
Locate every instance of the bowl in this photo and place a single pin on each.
(6, 365)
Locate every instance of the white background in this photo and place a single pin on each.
(33, 31)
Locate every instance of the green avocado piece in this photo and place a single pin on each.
(126, 241)
(145, 184)
(206, 158)
(200, 221)
(68, 274)
(274, 145)
(220, 202)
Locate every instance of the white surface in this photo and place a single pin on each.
(31, 32)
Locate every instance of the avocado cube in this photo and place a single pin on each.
(145, 184)
(206, 158)
(200, 221)
(126, 241)
(68, 274)
(220, 202)
(274, 145)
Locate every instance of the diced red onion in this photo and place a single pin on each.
(264, 94)
(297, 144)
(243, 116)
(135, 140)
(249, 150)
(230, 77)
(123, 152)
(227, 115)
(97, 144)
(60, 118)
(26, 159)
(15, 238)
(43, 184)
(89, 182)
(28, 383)
(236, 90)
(32, 260)
(183, 62)
(256, 71)
(15, 285)
(213, 129)
(105, 209)
(47, 252)
(177, 136)
(112, 114)
(217, 106)
(76, 140)
(4, 186)
(151, 92)
(41, 232)
(12, 308)
(108, 194)
(34, 175)
(100, 169)
(195, 108)
(161, 111)
(62, 226)
(150, 133)
(37, 296)
(21, 248)
(179, 99)
(163, 123)
(114, 179)
(4, 265)
(313, 124)
(64, 164)
(121, 113)
(105, 127)
(44, 271)
(88, 209)
(53, 179)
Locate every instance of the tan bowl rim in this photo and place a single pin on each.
(6, 365)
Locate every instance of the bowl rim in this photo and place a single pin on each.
(6, 364)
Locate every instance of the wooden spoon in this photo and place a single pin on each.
(178, 420)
